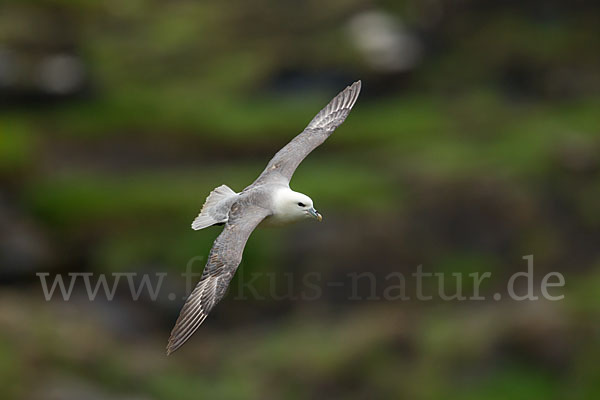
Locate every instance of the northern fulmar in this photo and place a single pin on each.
(269, 200)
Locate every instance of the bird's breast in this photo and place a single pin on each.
(277, 220)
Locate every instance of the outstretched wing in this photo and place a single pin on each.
(223, 260)
(285, 162)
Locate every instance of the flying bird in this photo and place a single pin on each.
(268, 200)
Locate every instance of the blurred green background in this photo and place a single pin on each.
(475, 142)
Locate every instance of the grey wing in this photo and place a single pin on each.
(285, 162)
(223, 260)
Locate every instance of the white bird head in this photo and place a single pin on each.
(292, 206)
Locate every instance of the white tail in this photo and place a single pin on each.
(212, 211)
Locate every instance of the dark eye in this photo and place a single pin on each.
(301, 204)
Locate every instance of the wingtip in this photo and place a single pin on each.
(351, 94)
(170, 347)
(172, 344)
(356, 85)
(345, 100)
